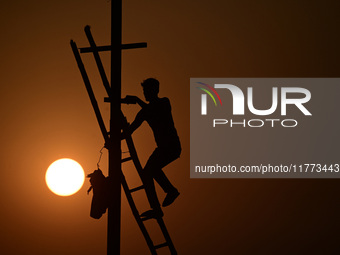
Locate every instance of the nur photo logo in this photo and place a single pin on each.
(243, 100)
(204, 96)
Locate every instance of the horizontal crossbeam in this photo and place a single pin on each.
(108, 47)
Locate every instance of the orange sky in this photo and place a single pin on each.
(46, 115)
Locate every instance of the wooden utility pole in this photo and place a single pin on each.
(115, 174)
(111, 138)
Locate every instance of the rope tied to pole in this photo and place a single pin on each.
(100, 156)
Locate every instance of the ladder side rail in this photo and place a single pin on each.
(89, 91)
(137, 217)
(134, 156)
(138, 166)
(139, 169)
(166, 235)
(132, 149)
(98, 60)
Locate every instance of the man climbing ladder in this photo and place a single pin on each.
(157, 113)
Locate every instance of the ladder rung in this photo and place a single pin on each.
(126, 159)
(161, 245)
(147, 218)
(136, 189)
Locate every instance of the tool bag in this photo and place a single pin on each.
(99, 184)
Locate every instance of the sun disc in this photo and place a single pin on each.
(65, 177)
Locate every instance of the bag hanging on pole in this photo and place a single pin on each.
(99, 184)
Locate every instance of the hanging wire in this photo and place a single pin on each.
(100, 156)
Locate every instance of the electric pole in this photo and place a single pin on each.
(115, 174)
(112, 138)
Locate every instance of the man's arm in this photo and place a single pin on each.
(133, 100)
(140, 102)
(134, 125)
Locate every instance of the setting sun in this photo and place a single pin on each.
(65, 177)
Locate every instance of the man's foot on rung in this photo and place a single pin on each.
(170, 198)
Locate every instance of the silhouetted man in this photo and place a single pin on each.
(157, 113)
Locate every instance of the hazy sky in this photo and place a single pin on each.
(46, 115)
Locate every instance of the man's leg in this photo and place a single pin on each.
(150, 188)
(163, 181)
(148, 175)
(171, 192)
(165, 157)
(153, 170)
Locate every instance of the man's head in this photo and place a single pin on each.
(150, 88)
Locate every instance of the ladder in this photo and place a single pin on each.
(128, 192)
(132, 150)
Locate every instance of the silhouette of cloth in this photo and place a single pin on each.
(100, 193)
(158, 116)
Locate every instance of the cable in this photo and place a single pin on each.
(100, 156)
